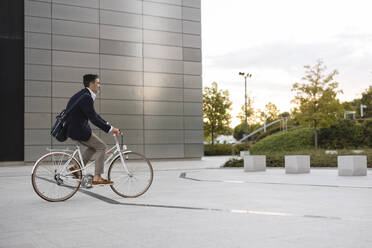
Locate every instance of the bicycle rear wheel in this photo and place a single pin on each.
(51, 178)
(137, 182)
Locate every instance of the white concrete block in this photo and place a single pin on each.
(355, 165)
(331, 152)
(244, 153)
(357, 151)
(296, 164)
(254, 163)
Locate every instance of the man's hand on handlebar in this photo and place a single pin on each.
(115, 131)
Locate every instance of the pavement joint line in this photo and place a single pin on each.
(194, 169)
(183, 175)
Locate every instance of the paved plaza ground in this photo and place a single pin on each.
(195, 203)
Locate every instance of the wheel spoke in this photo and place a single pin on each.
(117, 185)
(129, 185)
(122, 177)
(49, 184)
(46, 169)
(137, 182)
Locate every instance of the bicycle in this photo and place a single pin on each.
(53, 180)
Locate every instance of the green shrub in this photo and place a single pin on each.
(346, 134)
(222, 149)
(233, 162)
(291, 140)
(367, 128)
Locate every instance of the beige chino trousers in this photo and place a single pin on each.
(95, 145)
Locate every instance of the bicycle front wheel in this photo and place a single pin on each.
(51, 178)
(133, 178)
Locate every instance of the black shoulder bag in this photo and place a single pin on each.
(59, 129)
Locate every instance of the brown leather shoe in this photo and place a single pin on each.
(76, 174)
(102, 181)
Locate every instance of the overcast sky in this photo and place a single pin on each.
(274, 39)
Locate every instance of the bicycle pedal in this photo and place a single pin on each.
(86, 181)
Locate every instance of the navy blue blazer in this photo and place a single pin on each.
(77, 121)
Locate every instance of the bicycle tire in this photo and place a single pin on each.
(53, 178)
(138, 165)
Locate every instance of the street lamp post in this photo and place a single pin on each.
(245, 75)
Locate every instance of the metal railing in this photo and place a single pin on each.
(257, 131)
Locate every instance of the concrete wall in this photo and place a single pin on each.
(148, 56)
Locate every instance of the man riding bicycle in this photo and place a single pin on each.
(78, 127)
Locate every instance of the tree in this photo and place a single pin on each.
(367, 101)
(293, 121)
(254, 117)
(239, 130)
(216, 118)
(251, 124)
(316, 98)
(271, 112)
(284, 114)
(250, 111)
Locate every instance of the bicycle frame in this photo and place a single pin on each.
(114, 150)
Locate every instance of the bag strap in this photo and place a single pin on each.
(75, 103)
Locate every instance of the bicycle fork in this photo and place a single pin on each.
(121, 156)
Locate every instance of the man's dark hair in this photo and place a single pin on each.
(89, 78)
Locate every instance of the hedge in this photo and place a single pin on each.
(347, 134)
(291, 140)
(222, 149)
(317, 159)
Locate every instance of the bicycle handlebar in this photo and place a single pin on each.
(120, 132)
(122, 137)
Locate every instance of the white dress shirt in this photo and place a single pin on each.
(93, 95)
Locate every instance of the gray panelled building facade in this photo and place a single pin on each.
(148, 56)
